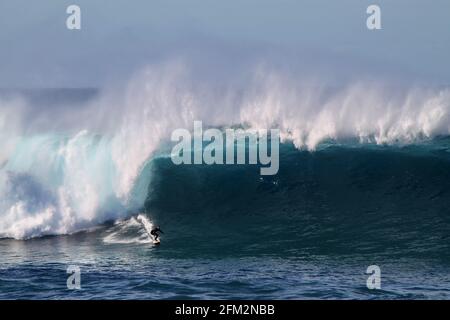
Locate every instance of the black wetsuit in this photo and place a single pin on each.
(155, 233)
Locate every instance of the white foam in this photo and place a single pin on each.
(132, 230)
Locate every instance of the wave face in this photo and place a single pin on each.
(340, 199)
(73, 163)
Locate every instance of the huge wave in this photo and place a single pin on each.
(66, 167)
(340, 199)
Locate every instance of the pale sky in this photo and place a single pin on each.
(117, 37)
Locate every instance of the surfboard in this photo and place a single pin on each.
(156, 242)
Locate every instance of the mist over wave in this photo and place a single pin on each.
(67, 167)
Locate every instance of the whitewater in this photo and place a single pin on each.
(68, 168)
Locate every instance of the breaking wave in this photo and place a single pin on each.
(69, 166)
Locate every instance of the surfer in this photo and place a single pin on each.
(155, 232)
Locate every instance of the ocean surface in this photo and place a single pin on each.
(309, 232)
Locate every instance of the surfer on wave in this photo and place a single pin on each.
(155, 232)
